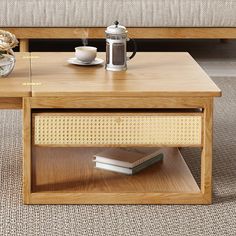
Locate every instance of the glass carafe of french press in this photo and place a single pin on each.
(116, 47)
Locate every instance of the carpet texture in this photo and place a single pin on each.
(216, 219)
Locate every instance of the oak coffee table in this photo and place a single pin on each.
(71, 113)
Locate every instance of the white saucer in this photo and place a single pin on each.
(75, 61)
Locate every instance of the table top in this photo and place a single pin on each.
(148, 74)
(16, 84)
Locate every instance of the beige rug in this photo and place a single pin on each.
(217, 219)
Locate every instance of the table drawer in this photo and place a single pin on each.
(117, 129)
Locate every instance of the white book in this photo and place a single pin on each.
(127, 157)
(130, 171)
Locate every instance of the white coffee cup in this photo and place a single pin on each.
(86, 54)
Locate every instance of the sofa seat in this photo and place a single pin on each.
(132, 13)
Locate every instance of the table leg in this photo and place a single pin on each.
(206, 157)
(27, 150)
(24, 45)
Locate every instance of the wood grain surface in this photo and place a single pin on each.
(14, 84)
(148, 74)
(138, 32)
(72, 170)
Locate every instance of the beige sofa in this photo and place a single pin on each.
(145, 18)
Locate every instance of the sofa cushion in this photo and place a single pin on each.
(100, 13)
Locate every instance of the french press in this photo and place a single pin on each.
(116, 47)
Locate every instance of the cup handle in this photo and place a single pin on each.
(134, 50)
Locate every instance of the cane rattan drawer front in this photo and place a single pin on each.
(126, 129)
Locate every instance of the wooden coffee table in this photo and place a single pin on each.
(70, 113)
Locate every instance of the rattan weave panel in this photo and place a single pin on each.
(117, 130)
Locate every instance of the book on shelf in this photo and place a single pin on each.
(127, 160)
(127, 157)
(130, 171)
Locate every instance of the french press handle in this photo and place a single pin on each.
(134, 49)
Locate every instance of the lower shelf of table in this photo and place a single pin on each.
(68, 176)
